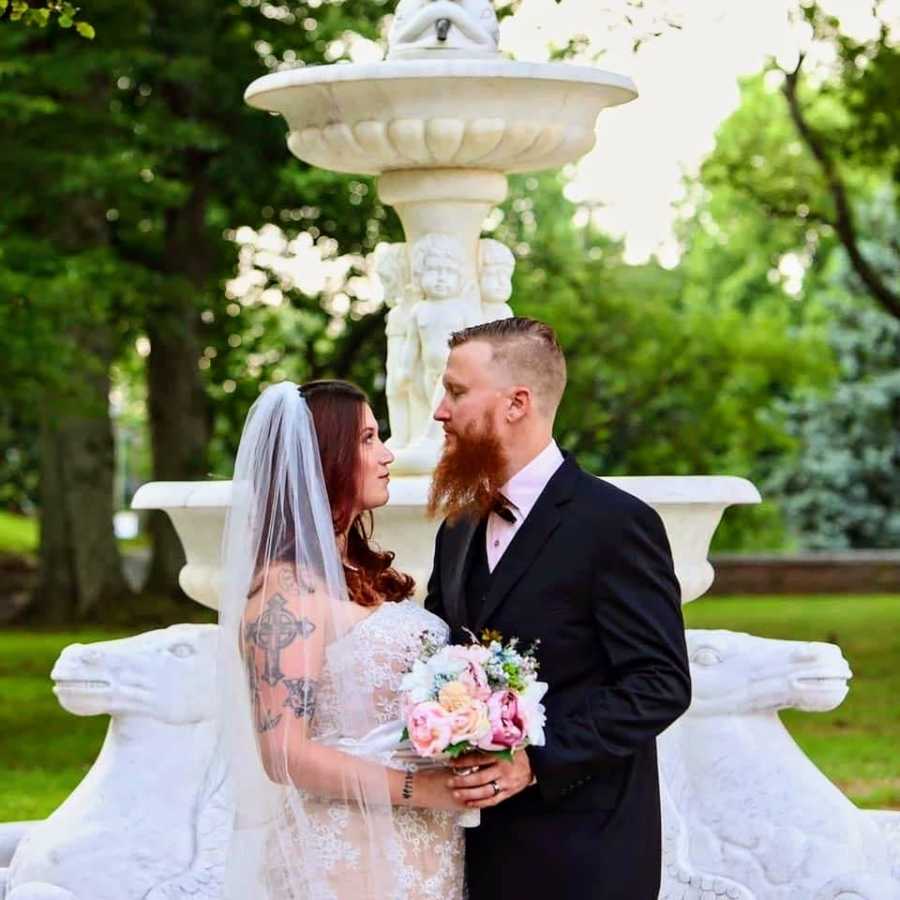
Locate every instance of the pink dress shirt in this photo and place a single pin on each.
(522, 491)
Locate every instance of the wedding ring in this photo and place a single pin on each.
(496, 787)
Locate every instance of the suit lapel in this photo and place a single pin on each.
(530, 539)
(458, 540)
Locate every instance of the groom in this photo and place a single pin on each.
(535, 548)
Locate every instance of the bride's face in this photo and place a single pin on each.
(374, 459)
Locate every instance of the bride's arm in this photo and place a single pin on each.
(285, 629)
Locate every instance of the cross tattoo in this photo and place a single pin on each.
(274, 630)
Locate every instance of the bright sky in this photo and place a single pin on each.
(687, 80)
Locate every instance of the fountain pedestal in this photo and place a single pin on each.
(445, 201)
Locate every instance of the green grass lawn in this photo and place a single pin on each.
(44, 751)
(18, 534)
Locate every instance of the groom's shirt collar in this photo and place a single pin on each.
(524, 488)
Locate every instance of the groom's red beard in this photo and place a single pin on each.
(469, 474)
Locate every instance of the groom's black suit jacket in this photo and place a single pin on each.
(589, 573)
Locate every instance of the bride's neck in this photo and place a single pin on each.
(342, 540)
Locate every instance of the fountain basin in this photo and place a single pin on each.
(419, 114)
(690, 507)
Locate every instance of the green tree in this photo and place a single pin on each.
(678, 371)
(801, 190)
(159, 158)
(840, 489)
(810, 150)
(41, 14)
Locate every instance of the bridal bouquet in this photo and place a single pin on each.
(483, 696)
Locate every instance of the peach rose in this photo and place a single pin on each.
(471, 723)
(454, 696)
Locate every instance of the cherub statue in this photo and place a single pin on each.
(407, 403)
(421, 28)
(437, 268)
(496, 266)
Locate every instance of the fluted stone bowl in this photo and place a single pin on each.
(475, 114)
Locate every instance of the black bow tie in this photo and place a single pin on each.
(503, 508)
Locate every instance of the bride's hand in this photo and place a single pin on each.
(431, 789)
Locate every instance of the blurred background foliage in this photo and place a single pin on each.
(163, 257)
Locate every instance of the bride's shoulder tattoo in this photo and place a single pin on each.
(289, 580)
(262, 717)
(266, 722)
(301, 696)
(275, 629)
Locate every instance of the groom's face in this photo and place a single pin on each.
(473, 397)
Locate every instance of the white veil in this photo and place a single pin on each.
(284, 611)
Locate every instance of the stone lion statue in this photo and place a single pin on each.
(151, 819)
(742, 804)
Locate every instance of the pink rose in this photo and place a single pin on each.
(475, 679)
(507, 727)
(471, 723)
(430, 728)
(532, 712)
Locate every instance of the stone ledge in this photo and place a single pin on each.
(827, 572)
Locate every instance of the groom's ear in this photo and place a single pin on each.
(519, 404)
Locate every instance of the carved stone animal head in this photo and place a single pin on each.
(415, 24)
(168, 674)
(733, 672)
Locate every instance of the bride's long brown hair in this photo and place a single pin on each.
(338, 409)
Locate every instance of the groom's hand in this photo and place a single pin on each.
(494, 781)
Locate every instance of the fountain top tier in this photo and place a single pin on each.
(453, 103)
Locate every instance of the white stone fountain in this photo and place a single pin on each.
(442, 122)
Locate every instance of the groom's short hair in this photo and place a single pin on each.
(529, 351)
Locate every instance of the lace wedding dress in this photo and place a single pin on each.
(429, 860)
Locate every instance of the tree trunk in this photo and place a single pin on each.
(180, 417)
(80, 576)
(179, 429)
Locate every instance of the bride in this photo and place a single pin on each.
(317, 629)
